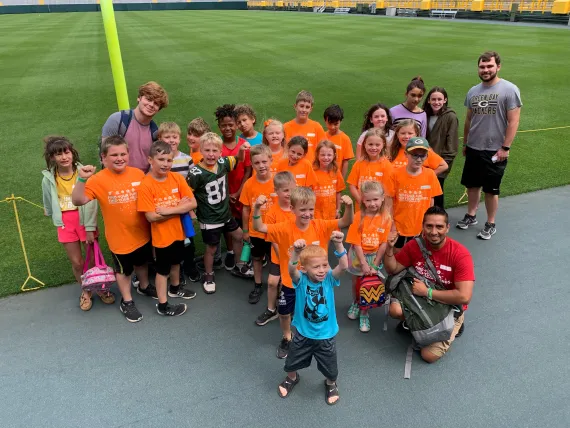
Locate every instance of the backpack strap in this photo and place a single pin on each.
(428, 261)
(153, 130)
(126, 117)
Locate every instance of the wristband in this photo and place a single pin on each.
(294, 263)
(83, 180)
(255, 217)
(245, 231)
(339, 255)
(429, 293)
(374, 266)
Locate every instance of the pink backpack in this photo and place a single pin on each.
(99, 277)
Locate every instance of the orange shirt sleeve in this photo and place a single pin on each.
(354, 174)
(435, 186)
(340, 186)
(347, 150)
(311, 179)
(433, 159)
(353, 236)
(183, 187)
(245, 197)
(278, 233)
(320, 133)
(145, 199)
(388, 182)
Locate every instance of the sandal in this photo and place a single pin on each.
(85, 301)
(106, 297)
(288, 384)
(330, 392)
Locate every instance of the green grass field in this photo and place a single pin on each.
(56, 79)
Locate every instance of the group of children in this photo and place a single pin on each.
(279, 192)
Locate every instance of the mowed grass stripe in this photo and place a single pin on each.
(57, 79)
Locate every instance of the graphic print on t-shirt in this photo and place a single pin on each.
(316, 309)
(484, 103)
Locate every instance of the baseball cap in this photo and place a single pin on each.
(417, 143)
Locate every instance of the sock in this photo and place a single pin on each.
(163, 306)
(272, 310)
(230, 251)
(174, 288)
(472, 216)
(126, 301)
(258, 285)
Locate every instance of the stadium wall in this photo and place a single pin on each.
(58, 6)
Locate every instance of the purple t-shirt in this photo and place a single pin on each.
(400, 112)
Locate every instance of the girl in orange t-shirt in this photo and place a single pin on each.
(372, 166)
(405, 130)
(367, 235)
(274, 138)
(330, 183)
(296, 163)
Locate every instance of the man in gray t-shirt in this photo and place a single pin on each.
(141, 130)
(493, 113)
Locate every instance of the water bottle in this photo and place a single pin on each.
(245, 252)
(187, 225)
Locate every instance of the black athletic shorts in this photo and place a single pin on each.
(302, 350)
(260, 248)
(125, 263)
(168, 256)
(286, 301)
(480, 171)
(274, 269)
(212, 236)
(402, 240)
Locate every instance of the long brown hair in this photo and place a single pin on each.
(326, 144)
(54, 145)
(395, 147)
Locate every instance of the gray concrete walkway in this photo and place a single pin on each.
(212, 367)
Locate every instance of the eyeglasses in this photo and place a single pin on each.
(418, 156)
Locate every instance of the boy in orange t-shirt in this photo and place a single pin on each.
(313, 231)
(163, 197)
(196, 128)
(333, 116)
(280, 211)
(127, 231)
(297, 164)
(414, 190)
(260, 184)
(302, 125)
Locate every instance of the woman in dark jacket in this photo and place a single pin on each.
(442, 131)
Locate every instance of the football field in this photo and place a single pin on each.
(56, 79)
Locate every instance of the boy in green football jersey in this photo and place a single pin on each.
(209, 182)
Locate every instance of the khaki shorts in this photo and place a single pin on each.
(440, 348)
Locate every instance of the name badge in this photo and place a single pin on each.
(316, 242)
(427, 186)
(379, 174)
(300, 176)
(135, 183)
(273, 195)
(380, 230)
(175, 190)
(310, 134)
(443, 267)
(338, 147)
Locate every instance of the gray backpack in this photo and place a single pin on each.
(429, 321)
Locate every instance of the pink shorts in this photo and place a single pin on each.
(72, 230)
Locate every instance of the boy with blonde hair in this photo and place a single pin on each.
(314, 231)
(315, 315)
(302, 125)
(209, 180)
(196, 128)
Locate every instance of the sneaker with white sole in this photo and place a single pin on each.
(230, 261)
(209, 287)
(364, 323)
(488, 231)
(181, 293)
(353, 311)
(149, 291)
(172, 310)
(267, 316)
(243, 271)
(468, 220)
(130, 311)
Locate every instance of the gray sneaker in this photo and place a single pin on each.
(488, 231)
(467, 221)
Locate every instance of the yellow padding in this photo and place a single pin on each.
(561, 7)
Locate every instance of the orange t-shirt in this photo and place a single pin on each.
(369, 232)
(432, 161)
(275, 215)
(167, 193)
(276, 158)
(412, 198)
(286, 233)
(302, 171)
(249, 194)
(344, 150)
(326, 189)
(196, 157)
(312, 131)
(380, 171)
(125, 228)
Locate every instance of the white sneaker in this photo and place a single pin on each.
(209, 287)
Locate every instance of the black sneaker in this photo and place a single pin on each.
(230, 261)
(461, 330)
(218, 264)
(468, 220)
(194, 275)
(283, 348)
(488, 231)
(403, 328)
(182, 293)
(130, 311)
(149, 291)
(255, 295)
(245, 271)
(172, 310)
(267, 316)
